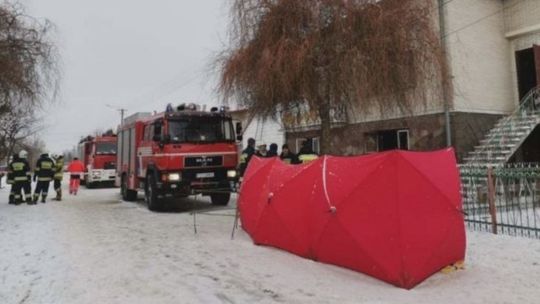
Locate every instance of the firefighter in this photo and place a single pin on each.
(19, 172)
(76, 170)
(306, 153)
(27, 184)
(58, 176)
(44, 174)
(287, 156)
(246, 156)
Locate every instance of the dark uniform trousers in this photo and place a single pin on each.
(44, 174)
(18, 187)
(42, 187)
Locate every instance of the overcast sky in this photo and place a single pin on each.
(135, 54)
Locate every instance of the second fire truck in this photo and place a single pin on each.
(99, 157)
(180, 152)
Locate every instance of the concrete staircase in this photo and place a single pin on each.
(496, 149)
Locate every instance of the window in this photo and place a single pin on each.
(158, 126)
(315, 144)
(147, 136)
(201, 129)
(106, 148)
(403, 139)
(392, 139)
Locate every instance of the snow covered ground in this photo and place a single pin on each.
(93, 248)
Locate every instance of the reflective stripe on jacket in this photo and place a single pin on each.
(19, 171)
(45, 169)
(306, 158)
(59, 170)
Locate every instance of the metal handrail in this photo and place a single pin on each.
(530, 104)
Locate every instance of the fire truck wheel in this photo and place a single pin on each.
(128, 195)
(220, 199)
(150, 194)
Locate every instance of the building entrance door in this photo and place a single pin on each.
(528, 70)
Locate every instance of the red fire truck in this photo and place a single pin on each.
(180, 152)
(99, 157)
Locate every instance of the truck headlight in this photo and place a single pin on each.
(231, 173)
(174, 177)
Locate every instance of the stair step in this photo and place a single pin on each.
(518, 121)
(493, 146)
(496, 133)
(493, 140)
(484, 159)
(490, 151)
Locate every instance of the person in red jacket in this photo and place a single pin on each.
(76, 171)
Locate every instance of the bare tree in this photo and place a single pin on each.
(29, 73)
(368, 54)
(28, 58)
(19, 125)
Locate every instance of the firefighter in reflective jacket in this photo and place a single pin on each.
(58, 176)
(19, 173)
(27, 185)
(44, 174)
(306, 153)
(246, 156)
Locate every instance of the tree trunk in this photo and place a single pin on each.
(326, 127)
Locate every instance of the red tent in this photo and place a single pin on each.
(395, 216)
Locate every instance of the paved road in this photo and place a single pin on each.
(94, 248)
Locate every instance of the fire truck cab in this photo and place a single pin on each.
(180, 152)
(99, 157)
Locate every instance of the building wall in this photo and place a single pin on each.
(521, 14)
(478, 51)
(426, 133)
(263, 131)
(522, 24)
(482, 64)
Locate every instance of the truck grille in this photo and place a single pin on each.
(110, 166)
(203, 161)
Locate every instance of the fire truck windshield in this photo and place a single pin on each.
(106, 148)
(201, 129)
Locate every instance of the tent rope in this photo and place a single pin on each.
(332, 208)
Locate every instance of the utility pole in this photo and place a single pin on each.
(445, 84)
(121, 110)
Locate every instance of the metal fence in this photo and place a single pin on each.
(503, 199)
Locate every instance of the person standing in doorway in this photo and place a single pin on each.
(76, 171)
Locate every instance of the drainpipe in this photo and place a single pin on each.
(446, 95)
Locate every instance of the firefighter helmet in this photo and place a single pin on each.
(23, 154)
